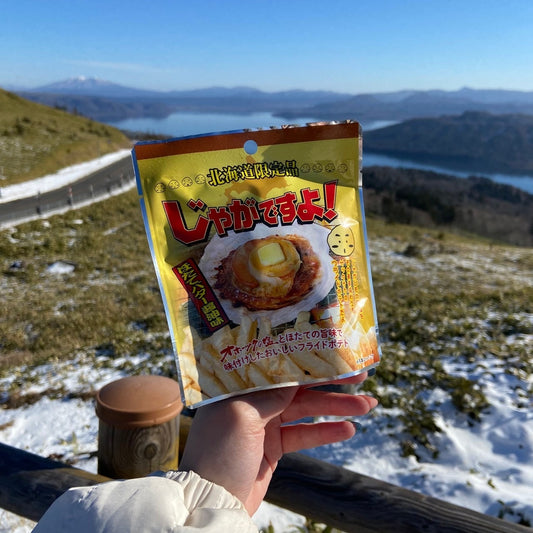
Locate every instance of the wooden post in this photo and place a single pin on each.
(139, 426)
(29, 483)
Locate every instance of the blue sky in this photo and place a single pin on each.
(349, 46)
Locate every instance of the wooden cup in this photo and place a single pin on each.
(138, 426)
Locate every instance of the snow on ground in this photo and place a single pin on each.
(478, 465)
(68, 428)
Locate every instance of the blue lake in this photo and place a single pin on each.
(182, 124)
(520, 182)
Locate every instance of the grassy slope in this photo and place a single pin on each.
(36, 140)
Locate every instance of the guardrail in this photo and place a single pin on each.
(118, 177)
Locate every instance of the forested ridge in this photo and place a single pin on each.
(475, 205)
(477, 140)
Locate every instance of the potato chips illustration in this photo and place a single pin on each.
(261, 256)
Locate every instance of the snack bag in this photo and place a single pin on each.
(259, 243)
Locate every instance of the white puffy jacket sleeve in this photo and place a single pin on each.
(171, 502)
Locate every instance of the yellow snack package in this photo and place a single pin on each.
(259, 244)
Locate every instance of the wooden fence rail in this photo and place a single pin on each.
(29, 483)
(326, 493)
(356, 503)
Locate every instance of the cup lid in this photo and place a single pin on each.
(139, 401)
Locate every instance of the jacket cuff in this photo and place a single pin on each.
(208, 502)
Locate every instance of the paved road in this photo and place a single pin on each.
(99, 183)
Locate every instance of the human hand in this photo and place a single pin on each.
(237, 443)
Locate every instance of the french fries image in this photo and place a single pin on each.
(278, 368)
(246, 330)
(339, 359)
(313, 366)
(204, 374)
(257, 378)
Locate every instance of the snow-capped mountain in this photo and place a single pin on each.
(82, 85)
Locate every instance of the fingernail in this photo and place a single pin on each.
(372, 402)
(371, 372)
(358, 427)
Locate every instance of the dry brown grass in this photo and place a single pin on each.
(36, 140)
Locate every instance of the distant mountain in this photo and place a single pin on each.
(103, 109)
(110, 102)
(403, 105)
(483, 142)
(494, 96)
(85, 86)
(82, 85)
(107, 101)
